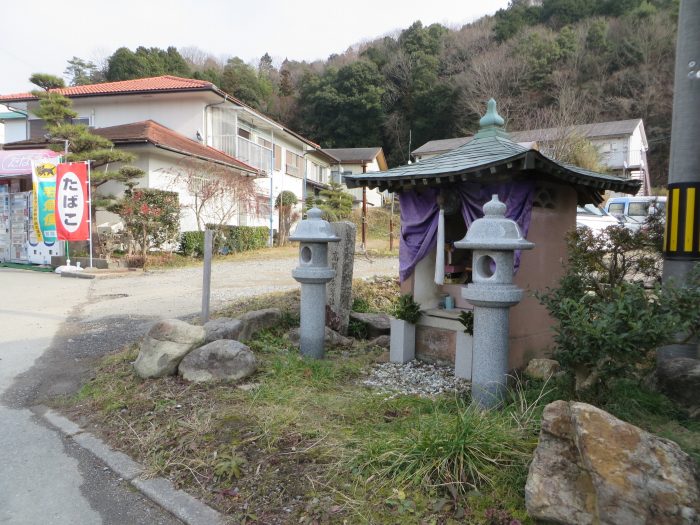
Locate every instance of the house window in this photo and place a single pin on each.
(37, 126)
(264, 143)
(295, 164)
(278, 158)
(244, 133)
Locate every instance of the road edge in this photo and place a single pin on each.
(159, 490)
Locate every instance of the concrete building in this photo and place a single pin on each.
(359, 160)
(192, 111)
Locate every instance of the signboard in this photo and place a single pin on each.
(72, 202)
(44, 186)
(20, 162)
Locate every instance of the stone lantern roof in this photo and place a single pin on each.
(494, 231)
(314, 229)
(492, 157)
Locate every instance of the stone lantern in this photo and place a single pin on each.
(493, 240)
(313, 273)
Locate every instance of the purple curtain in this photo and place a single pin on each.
(419, 216)
(419, 222)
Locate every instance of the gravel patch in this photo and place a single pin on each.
(415, 378)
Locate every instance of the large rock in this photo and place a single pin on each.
(254, 322)
(221, 360)
(341, 257)
(679, 379)
(376, 324)
(592, 468)
(541, 368)
(164, 346)
(331, 338)
(223, 328)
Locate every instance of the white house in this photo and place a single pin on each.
(622, 145)
(192, 111)
(359, 160)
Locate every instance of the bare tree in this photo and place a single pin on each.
(215, 193)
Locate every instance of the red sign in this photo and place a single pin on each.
(72, 206)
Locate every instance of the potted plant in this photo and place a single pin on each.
(403, 330)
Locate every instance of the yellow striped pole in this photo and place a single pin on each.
(682, 238)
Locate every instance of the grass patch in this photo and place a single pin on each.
(302, 441)
(296, 444)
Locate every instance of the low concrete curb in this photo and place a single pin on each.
(159, 490)
(78, 275)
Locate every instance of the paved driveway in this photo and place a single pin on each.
(52, 332)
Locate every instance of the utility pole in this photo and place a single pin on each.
(682, 239)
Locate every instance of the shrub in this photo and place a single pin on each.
(227, 239)
(192, 244)
(612, 313)
(407, 309)
(150, 216)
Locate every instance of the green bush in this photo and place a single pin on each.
(611, 312)
(240, 238)
(192, 244)
(407, 309)
(227, 239)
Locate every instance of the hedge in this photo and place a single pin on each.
(227, 239)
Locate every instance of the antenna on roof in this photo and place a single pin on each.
(409, 145)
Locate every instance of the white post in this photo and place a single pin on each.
(89, 209)
(206, 282)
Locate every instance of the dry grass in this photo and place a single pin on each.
(283, 447)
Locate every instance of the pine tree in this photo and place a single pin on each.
(81, 145)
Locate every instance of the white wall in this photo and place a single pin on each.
(181, 112)
(374, 196)
(15, 130)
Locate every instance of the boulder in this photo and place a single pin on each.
(164, 346)
(222, 360)
(258, 320)
(383, 341)
(377, 324)
(592, 468)
(331, 338)
(542, 368)
(222, 328)
(679, 379)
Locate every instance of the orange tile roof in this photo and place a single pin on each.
(149, 131)
(166, 138)
(162, 83)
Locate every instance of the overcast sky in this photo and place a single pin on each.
(41, 35)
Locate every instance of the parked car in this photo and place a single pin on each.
(590, 216)
(634, 210)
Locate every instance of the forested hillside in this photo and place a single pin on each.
(558, 63)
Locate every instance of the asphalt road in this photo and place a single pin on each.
(52, 332)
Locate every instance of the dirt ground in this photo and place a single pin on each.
(120, 309)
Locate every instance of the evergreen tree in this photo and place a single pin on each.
(82, 145)
(335, 202)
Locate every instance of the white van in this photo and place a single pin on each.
(635, 210)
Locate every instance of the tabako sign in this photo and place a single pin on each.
(72, 202)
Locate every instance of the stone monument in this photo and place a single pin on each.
(313, 273)
(341, 257)
(493, 240)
